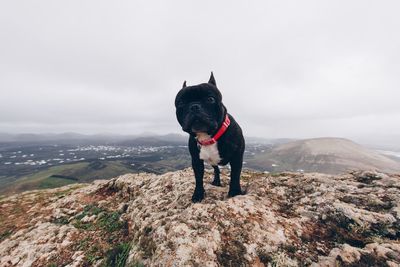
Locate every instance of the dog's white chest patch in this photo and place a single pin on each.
(210, 153)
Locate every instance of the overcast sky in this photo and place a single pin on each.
(285, 68)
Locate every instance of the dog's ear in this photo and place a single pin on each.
(184, 84)
(212, 80)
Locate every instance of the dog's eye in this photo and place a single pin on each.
(211, 100)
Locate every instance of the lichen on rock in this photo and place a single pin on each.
(286, 219)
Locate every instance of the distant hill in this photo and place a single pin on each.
(271, 141)
(155, 140)
(61, 138)
(82, 139)
(57, 176)
(326, 155)
(146, 138)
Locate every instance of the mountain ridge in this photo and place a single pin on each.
(326, 155)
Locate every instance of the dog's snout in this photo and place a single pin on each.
(195, 107)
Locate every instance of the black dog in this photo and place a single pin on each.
(215, 136)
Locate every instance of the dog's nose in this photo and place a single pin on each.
(195, 107)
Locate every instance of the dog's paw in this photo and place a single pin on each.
(216, 183)
(198, 196)
(235, 192)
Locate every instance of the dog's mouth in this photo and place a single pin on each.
(196, 123)
(198, 126)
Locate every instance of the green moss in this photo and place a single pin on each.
(118, 255)
(85, 226)
(61, 220)
(89, 210)
(107, 221)
(92, 209)
(93, 254)
(110, 229)
(5, 234)
(110, 222)
(83, 244)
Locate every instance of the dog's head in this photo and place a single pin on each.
(199, 108)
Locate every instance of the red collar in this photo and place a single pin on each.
(220, 132)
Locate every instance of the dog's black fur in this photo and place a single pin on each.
(199, 108)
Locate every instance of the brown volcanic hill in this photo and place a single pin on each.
(325, 155)
(287, 219)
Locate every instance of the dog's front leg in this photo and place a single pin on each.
(198, 168)
(236, 169)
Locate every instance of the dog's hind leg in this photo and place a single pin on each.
(217, 181)
(236, 169)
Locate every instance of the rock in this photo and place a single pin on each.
(87, 218)
(290, 219)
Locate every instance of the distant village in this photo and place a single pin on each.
(80, 153)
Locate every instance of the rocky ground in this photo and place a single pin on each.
(286, 219)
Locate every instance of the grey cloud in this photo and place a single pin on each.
(286, 69)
